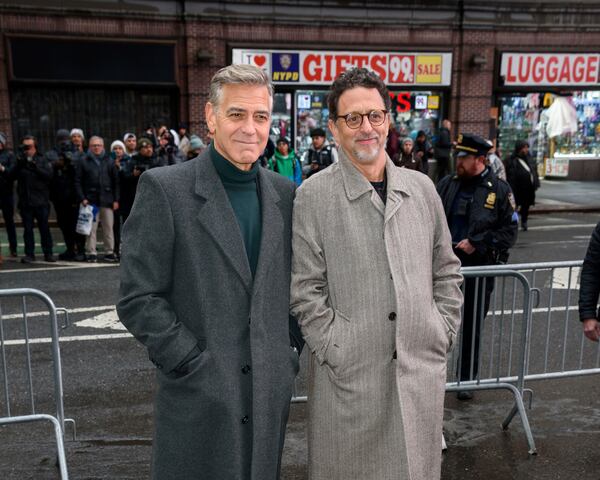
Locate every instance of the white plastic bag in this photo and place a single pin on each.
(85, 219)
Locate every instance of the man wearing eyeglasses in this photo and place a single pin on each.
(376, 291)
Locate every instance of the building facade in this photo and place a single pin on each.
(110, 67)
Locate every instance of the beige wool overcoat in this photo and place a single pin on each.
(376, 290)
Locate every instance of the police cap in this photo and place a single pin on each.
(470, 144)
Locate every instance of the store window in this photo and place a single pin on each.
(311, 112)
(417, 110)
(522, 118)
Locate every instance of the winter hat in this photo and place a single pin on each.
(129, 135)
(117, 143)
(77, 131)
(196, 142)
(407, 140)
(62, 134)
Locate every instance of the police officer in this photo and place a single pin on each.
(481, 215)
(321, 153)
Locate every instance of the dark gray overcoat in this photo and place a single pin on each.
(186, 282)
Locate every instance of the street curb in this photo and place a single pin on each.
(564, 209)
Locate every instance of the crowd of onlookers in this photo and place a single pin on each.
(77, 172)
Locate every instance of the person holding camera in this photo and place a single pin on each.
(7, 201)
(168, 153)
(34, 174)
(62, 192)
(96, 184)
(129, 176)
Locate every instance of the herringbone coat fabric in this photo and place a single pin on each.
(185, 283)
(376, 290)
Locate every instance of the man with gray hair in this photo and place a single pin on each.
(96, 184)
(205, 278)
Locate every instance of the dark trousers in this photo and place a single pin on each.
(66, 217)
(524, 212)
(478, 292)
(443, 168)
(40, 215)
(7, 203)
(117, 232)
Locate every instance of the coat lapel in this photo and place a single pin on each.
(218, 219)
(272, 227)
(396, 189)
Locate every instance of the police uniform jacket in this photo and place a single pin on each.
(492, 226)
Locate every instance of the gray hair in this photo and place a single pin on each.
(237, 75)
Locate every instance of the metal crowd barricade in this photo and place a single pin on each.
(18, 402)
(498, 354)
(557, 347)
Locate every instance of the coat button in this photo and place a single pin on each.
(246, 369)
(392, 316)
(395, 355)
(245, 420)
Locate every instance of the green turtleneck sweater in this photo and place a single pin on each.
(242, 189)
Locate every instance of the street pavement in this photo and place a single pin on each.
(108, 382)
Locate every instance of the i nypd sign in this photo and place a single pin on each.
(319, 67)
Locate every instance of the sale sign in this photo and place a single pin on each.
(319, 67)
(549, 69)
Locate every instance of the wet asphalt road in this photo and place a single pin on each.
(108, 385)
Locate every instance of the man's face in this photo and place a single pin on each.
(365, 144)
(283, 148)
(469, 165)
(163, 141)
(525, 150)
(96, 146)
(447, 124)
(130, 143)
(77, 140)
(240, 123)
(146, 150)
(29, 145)
(407, 147)
(118, 151)
(318, 141)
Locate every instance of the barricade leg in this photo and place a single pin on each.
(519, 407)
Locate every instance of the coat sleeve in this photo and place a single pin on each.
(447, 278)
(146, 272)
(590, 279)
(309, 296)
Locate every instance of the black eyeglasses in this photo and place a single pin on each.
(354, 119)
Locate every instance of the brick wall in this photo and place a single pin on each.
(472, 87)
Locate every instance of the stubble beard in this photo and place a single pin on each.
(367, 155)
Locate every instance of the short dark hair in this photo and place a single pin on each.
(352, 78)
(29, 137)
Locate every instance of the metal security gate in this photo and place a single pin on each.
(21, 400)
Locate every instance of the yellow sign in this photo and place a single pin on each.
(429, 69)
(433, 102)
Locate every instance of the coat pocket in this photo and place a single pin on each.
(337, 349)
(448, 329)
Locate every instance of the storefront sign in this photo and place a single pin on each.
(546, 69)
(323, 67)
